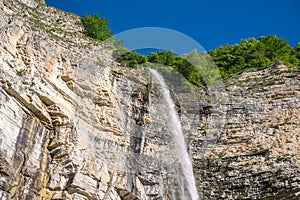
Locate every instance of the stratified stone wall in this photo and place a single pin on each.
(74, 124)
(257, 153)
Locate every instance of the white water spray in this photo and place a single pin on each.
(178, 139)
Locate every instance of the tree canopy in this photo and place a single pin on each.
(229, 59)
(199, 69)
(254, 53)
(96, 27)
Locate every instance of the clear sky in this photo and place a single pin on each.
(210, 22)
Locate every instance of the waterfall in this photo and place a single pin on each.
(178, 140)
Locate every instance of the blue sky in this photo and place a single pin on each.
(211, 22)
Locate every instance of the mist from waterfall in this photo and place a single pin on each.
(188, 179)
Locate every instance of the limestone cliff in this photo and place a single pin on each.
(57, 87)
(257, 154)
(77, 125)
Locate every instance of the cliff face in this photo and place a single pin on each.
(76, 125)
(56, 88)
(73, 122)
(257, 153)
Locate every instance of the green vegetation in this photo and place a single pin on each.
(96, 27)
(230, 59)
(199, 69)
(21, 72)
(254, 53)
(241, 196)
(129, 58)
(280, 169)
(182, 64)
(297, 51)
(188, 65)
(228, 180)
(223, 164)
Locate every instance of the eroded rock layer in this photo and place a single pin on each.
(74, 124)
(257, 153)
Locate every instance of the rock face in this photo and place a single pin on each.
(257, 153)
(74, 124)
(59, 92)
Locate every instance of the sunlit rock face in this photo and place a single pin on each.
(74, 124)
(32, 3)
(72, 120)
(257, 153)
(24, 154)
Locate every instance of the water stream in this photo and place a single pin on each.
(178, 140)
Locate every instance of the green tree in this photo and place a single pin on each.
(187, 64)
(274, 47)
(96, 27)
(167, 58)
(199, 69)
(254, 53)
(129, 58)
(297, 50)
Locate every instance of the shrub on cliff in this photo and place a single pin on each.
(179, 63)
(129, 58)
(254, 53)
(229, 59)
(96, 27)
(297, 51)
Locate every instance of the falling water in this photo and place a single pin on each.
(178, 138)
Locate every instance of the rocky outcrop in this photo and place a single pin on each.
(257, 153)
(60, 99)
(74, 124)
